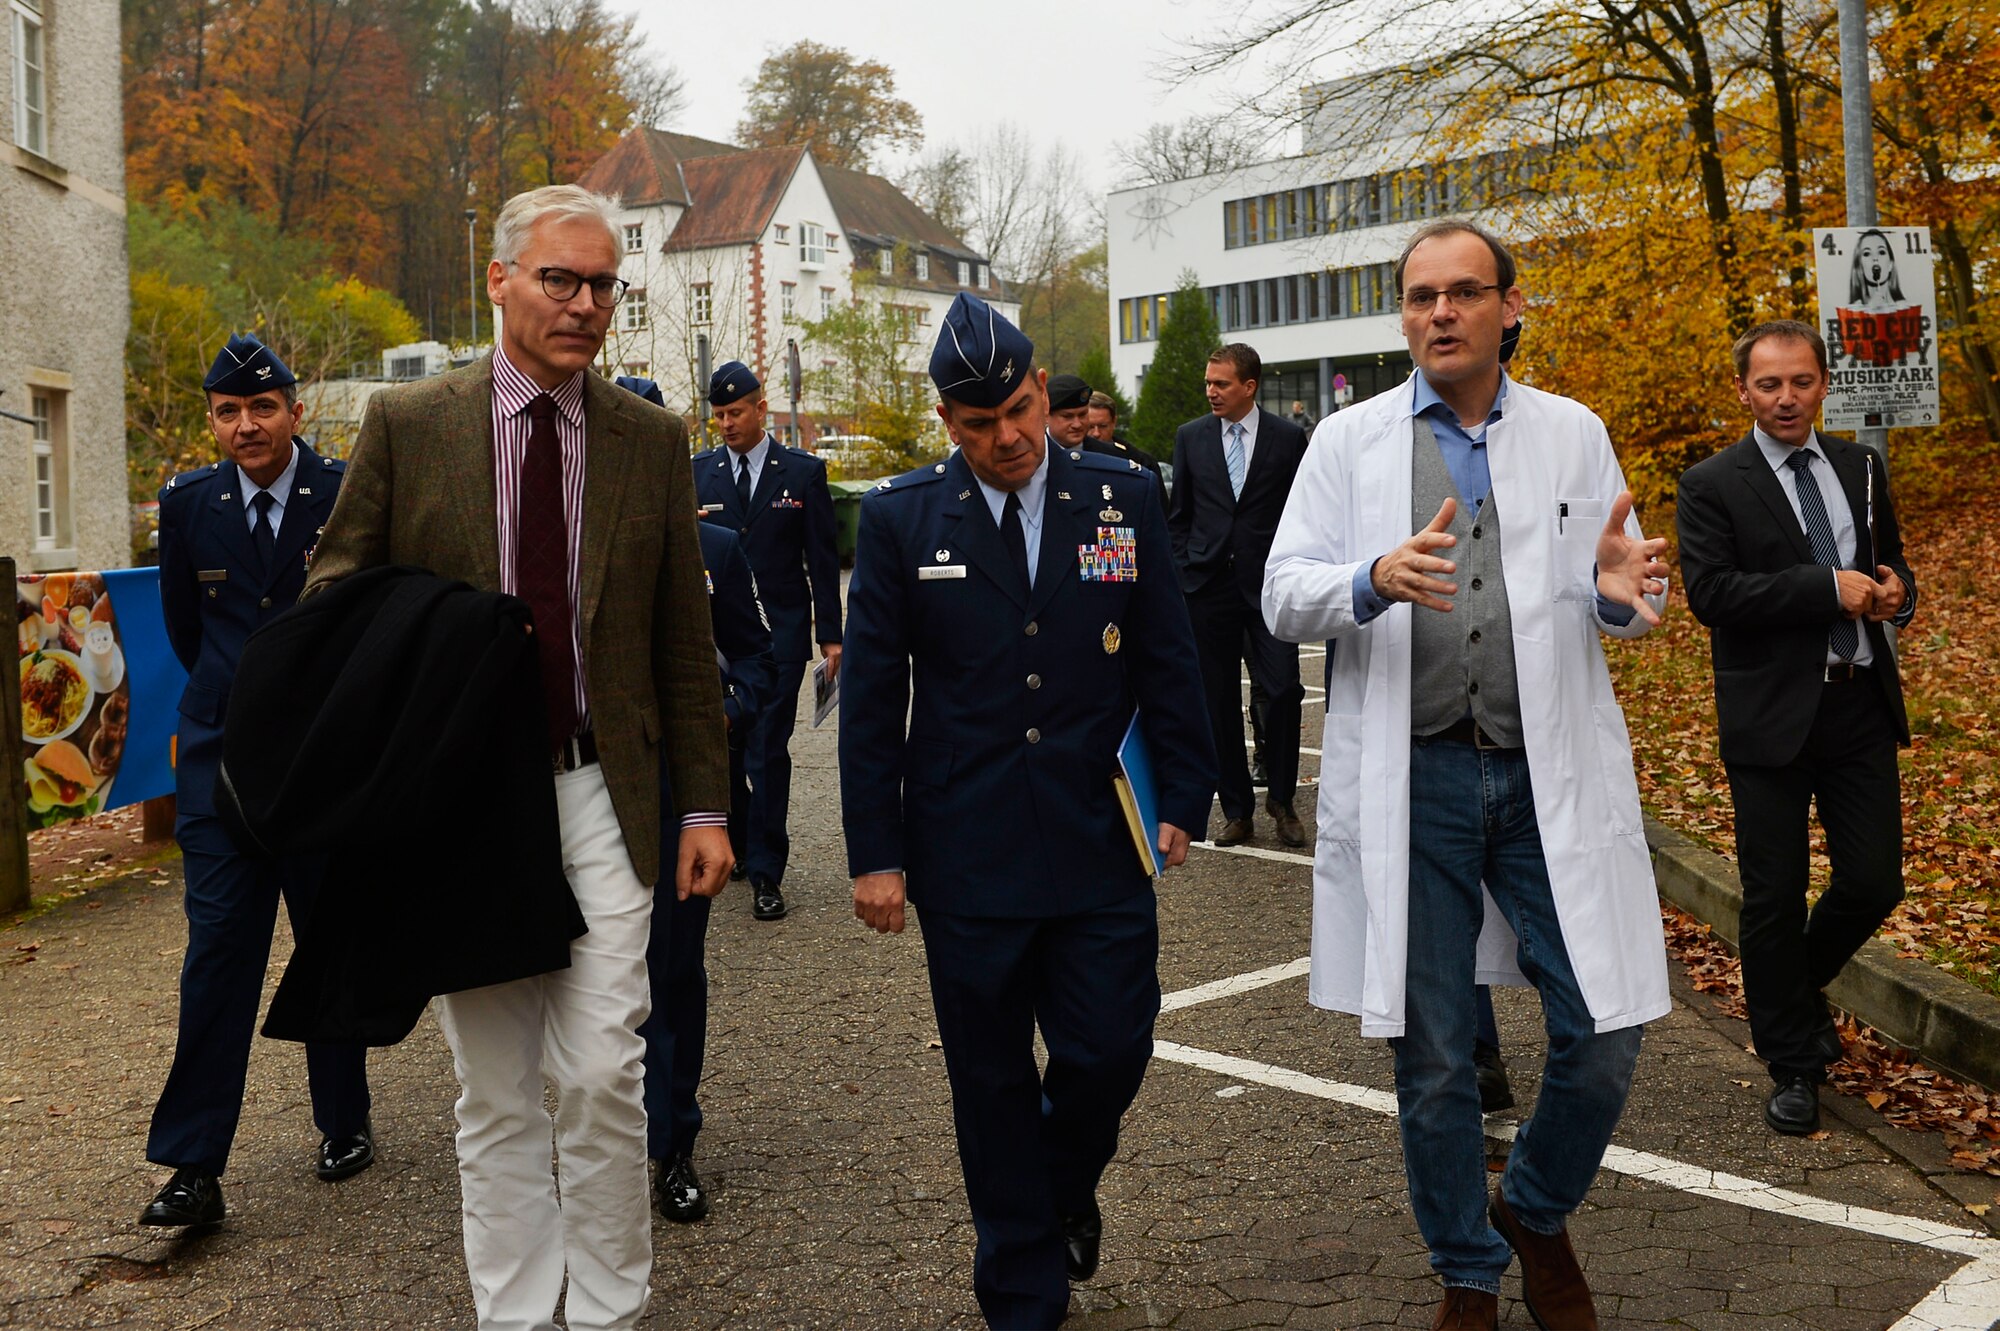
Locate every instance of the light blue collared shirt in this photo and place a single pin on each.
(1032, 494)
(280, 491)
(759, 451)
(1838, 513)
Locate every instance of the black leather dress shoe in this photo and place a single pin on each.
(737, 873)
(1234, 832)
(1082, 1235)
(766, 901)
(190, 1198)
(1290, 830)
(677, 1191)
(344, 1157)
(1793, 1108)
(1495, 1091)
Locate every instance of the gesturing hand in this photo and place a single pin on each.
(1628, 570)
(1404, 574)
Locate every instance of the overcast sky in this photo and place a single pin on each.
(1080, 71)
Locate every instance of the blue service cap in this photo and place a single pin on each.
(245, 366)
(730, 383)
(980, 359)
(645, 388)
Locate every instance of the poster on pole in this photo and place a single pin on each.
(1878, 311)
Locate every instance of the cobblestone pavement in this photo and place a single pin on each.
(1258, 1184)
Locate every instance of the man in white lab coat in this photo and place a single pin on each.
(1466, 661)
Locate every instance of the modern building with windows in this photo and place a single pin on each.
(1295, 256)
(731, 252)
(65, 301)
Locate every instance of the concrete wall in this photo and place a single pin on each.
(64, 299)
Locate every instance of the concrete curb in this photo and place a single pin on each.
(1950, 1025)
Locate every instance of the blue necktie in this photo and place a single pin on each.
(1232, 457)
(1845, 639)
(261, 533)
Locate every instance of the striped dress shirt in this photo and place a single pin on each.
(512, 392)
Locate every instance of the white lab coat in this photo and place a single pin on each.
(1351, 504)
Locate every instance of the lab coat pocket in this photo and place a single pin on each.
(1576, 523)
(1614, 759)
(1340, 801)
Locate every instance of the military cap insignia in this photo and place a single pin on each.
(1111, 639)
(1007, 371)
(263, 372)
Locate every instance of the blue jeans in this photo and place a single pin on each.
(1472, 818)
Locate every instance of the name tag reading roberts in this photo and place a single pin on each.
(711, 508)
(935, 572)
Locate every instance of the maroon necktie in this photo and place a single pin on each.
(541, 567)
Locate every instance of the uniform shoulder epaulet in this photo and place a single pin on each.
(1102, 462)
(189, 480)
(704, 455)
(928, 474)
(335, 465)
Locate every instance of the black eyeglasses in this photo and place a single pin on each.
(562, 284)
(1420, 300)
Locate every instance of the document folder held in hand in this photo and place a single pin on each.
(1139, 796)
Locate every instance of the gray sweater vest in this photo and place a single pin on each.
(1462, 661)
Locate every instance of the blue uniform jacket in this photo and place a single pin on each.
(742, 634)
(788, 537)
(998, 801)
(215, 592)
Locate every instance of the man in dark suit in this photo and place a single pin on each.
(1233, 470)
(776, 499)
(1026, 593)
(1792, 558)
(676, 1034)
(526, 474)
(233, 542)
(1100, 430)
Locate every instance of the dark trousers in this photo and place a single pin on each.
(676, 1033)
(1032, 1144)
(1260, 705)
(767, 763)
(1847, 769)
(232, 909)
(1223, 622)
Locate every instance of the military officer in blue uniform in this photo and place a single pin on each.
(776, 499)
(234, 539)
(1017, 601)
(676, 1033)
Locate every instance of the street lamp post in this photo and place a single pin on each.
(1857, 134)
(472, 271)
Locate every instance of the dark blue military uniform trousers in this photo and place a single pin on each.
(1033, 1144)
(768, 766)
(232, 908)
(676, 1031)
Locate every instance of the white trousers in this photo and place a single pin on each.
(577, 1029)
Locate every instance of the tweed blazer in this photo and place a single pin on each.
(420, 491)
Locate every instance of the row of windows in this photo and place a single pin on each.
(1271, 302)
(1409, 195)
(920, 266)
(31, 124)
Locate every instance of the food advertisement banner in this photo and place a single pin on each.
(1878, 312)
(100, 692)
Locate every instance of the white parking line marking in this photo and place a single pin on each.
(1255, 852)
(1251, 744)
(1967, 1300)
(1235, 984)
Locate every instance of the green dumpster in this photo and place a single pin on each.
(847, 515)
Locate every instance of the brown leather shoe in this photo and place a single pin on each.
(1234, 832)
(1467, 1310)
(1290, 830)
(1552, 1283)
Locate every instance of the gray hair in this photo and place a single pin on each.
(558, 203)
